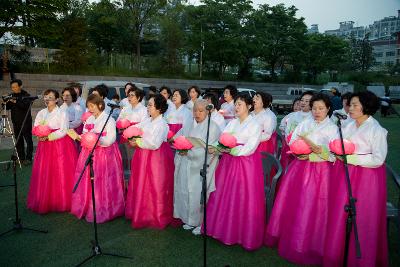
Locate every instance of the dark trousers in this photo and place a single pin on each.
(26, 135)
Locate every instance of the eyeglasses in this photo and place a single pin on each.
(131, 95)
(49, 98)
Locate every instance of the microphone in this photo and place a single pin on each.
(340, 116)
(32, 98)
(210, 107)
(111, 105)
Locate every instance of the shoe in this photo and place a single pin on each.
(26, 162)
(187, 227)
(197, 230)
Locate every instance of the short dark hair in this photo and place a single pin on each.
(297, 99)
(115, 96)
(266, 99)
(152, 88)
(213, 99)
(139, 93)
(16, 81)
(244, 96)
(96, 100)
(76, 85)
(160, 103)
(102, 89)
(232, 90)
(167, 89)
(196, 88)
(48, 91)
(369, 101)
(129, 83)
(71, 90)
(347, 96)
(324, 98)
(311, 93)
(183, 94)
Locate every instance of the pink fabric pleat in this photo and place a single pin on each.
(53, 168)
(236, 212)
(298, 221)
(369, 188)
(151, 188)
(285, 157)
(108, 185)
(175, 127)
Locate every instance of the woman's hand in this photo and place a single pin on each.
(44, 138)
(78, 137)
(132, 142)
(183, 152)
(302, 157)
(211, 150)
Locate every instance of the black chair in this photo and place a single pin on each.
(278, 149)
(393, 212)
(269, 163)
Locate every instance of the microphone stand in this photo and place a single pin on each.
(350, 208)
(17, 224)
(203, 201)
(96, 250)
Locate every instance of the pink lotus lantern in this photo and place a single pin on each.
(132, 132)
(170, 134)
(123, 124)
(336, 147)
(300, 147)
(182, 144)
(88, 140)
(85, 116)
(41, 130)
(227, 140)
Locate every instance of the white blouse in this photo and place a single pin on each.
(294, 119)
(228, 111)
(267, 120)
(247, 133)
(320, 133)
(134, 114)
(370, 141)
(74, 112)
(155, 132)
(218, 119)
(124, 103)
(109, 134)
(190, 105)
(57, 119)
(179, 116)
(81, 102)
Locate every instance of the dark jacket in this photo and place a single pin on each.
(19, 109)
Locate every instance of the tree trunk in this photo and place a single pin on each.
(138, 52)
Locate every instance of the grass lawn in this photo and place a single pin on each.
(68, 240)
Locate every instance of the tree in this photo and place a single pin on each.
(9, 16)
(361, 53)
(141, 12)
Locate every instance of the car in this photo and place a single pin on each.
(297, 91)
(114, 87)
(251, 92)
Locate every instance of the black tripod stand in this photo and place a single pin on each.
(350, 208)
(17, 224)
(203, 202)
(96, 250)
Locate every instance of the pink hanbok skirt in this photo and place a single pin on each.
(299, 217)
(269, 145)
(369, 188)
(236, 211)
(52, 177)
(175, 127)
(151, 188)
(108, 185)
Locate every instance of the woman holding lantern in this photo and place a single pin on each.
(298, 221)
(236, 209)
(107, 165)
(55, 159)
(367, 175)
(180, 115)
(151, 185)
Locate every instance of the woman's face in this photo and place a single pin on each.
(165, 94)
(346, 105)
(257, 102)
(296, 106)
(176, 98)
(193, 94)
(50, 100)
(355, 109)
(227, 95)
(151, 108)
(67, 98)
(133, 100)
(94, 109)
(319, 110)
(241, 109)
(305, 103)
(199, 113)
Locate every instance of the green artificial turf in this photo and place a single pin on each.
(68, 240)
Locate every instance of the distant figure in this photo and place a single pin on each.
(336, 101)
(385, 105)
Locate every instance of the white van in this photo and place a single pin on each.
(114, 87)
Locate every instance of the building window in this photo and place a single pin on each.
(380, 54)
(390, 54)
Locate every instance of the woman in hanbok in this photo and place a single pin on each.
(368, 183)
(180, 115)
(188, 181)
(151, 185)
(299, 216)
(107, 166)
(294, 119)
(167, 94)
(295, 108)
(228, 107)
(344, 111)
(73, 109)
(135, 112)
(125, 101)
(236, 209)
(215, 115)
(53, 168)
(194, 94)
(267, 120)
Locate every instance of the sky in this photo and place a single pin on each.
(328, 13)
